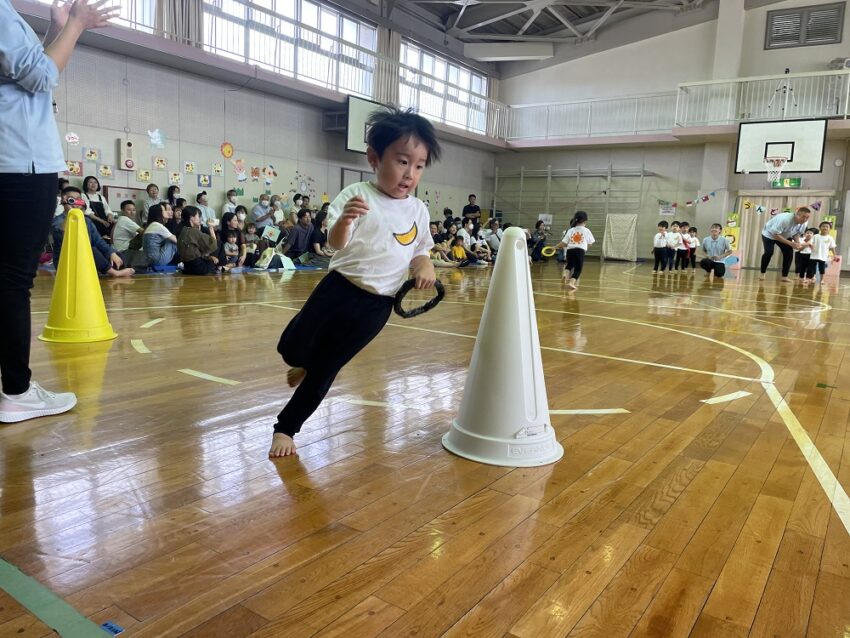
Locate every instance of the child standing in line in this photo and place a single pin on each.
(576, 240)
(803, 256)
(674, 244)
(379, 230)
(823, 250)
(659, 248)
(694, 243)
(683, 254)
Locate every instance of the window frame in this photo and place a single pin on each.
(804, 13)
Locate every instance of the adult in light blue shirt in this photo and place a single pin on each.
(29, 163)
(783, 230)
(716, 248)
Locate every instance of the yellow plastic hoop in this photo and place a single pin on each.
(548, 251)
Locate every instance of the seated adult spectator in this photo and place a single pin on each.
(159, 243)
(97, 208)
(207, 212)
(298, 241)
(230, 224)
(229, 203)
(435, 233)
(172, 195)
(152, 199)
(472, 210)
(172, 219)
(449, 216)
(493, 235)
(106, 258)
(320, 252)
(538, 241)
(241, 216)
(263, 214)
(197, 249)
(125, 228)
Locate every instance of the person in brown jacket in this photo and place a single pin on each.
(196, 248)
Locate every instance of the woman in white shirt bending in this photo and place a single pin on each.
(97, 208)
(576, 240)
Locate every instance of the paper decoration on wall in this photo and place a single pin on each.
(226, 150)
(255, 173)
(72, 138)
(270, 173)
(218, 168)
(175, 179)
(105, 171)
(760, 209)
(189, 168)
(160, 163)
(747, 204)
(268, 191)
(732, 220)
(143, 175)
(241, 170)
(304, 184)
(256, 200)
(75, 168)
(325, 198)
(204, 181)
(157, 138)
(774, 211)
(815, 206)
(240, 192)
(91, 154)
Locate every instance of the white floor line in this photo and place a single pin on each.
(726, 397)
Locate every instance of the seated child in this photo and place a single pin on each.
(231, 247)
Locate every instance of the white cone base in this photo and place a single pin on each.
(526, 452)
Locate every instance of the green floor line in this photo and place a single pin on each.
(45, 605)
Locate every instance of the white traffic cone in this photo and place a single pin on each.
(504, 414)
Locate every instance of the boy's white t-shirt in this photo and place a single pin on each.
(694, 241)
(125, 229)
(821, 244)
(807, 248)
(660, 241)
(674, 240)
(155, 228)
(383, 241)
(578, 237)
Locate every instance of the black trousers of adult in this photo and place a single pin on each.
(815, 265)
(575, 262)
(709, 266)
(660, 255)
(199, 266)
(801, 263)
(337, 321)
(682, 258)
(29, 201)
(787, 255)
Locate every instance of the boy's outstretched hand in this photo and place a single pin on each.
(354, 208)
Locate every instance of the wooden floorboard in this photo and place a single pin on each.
(153, 504)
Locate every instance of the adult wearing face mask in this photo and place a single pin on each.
(229, 204)
(263, 214)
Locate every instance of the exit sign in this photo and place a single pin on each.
(787, 182)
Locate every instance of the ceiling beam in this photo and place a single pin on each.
(534, 14)
(602, 20)
(565, 22)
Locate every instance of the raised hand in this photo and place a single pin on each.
(91, 15)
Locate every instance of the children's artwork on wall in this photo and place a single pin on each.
(325, 198)
(91, 154)
(175, 179)
(304, 184)
(75, 168)
(270, 173)
(72, 138)
(240, 192)
(189, 168)
(255, 173)
(143, 175)
(241, 170)
(105, 171)
(226, 150)
(157, 138)
(218, 168)
(204, 181)
(160, 163)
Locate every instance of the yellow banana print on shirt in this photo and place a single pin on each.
(405, 239)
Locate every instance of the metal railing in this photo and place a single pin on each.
(770, 97)
(631, 115)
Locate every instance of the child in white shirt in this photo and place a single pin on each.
(576, 240)
(803, 256)
(693, 241)
(379, 231)
(659, 248)
(674, 245)
(822, 245)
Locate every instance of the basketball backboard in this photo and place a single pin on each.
(801, 141)
(359, 111)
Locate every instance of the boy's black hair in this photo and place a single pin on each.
(249, 225)
(674, 223)
(232, 191)
(63, 183)
(147, 188)
(180, 202)
(472, 195)
(684, 223)
(456, 240)
(448, 211)
(815, 231)
(232, 233)
(71, 189)
(389, 124)
(717, 226)
(694, 229)
(663, 224)
(825, 222)
(127, 201)
(301, 213)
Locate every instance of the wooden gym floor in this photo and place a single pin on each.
(689, 511)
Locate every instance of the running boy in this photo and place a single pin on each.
(822, 245)
(576, 240)
(379, 230)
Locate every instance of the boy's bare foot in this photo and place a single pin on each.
(126, 272)
(572, 283)
(761, 277)
(282, 445)
(786, 279)
(294, 376)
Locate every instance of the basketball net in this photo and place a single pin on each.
(774, 166)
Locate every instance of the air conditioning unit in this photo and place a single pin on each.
(125, 156)
(839, 64)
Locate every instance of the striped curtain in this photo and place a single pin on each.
(386, 71)
(182, 21)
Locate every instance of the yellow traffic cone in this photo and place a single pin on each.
(504, 414)
(77, 312)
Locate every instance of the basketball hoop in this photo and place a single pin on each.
(774, 166)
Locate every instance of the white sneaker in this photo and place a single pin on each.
(34, 403)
